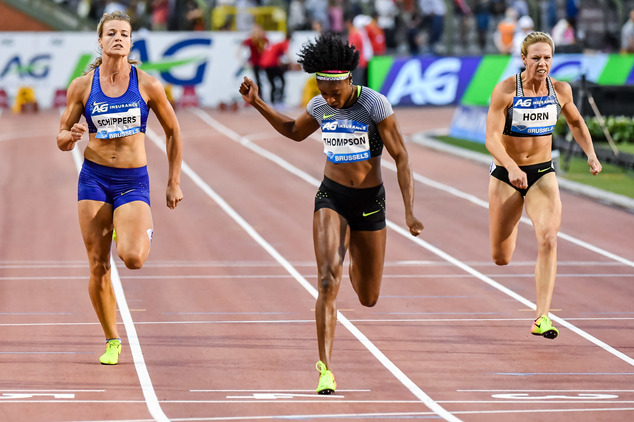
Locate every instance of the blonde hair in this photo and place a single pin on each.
(534, 38)
(107, 17)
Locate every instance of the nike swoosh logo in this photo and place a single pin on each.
(365, 214)
(328, 116)
(128, 191)
(543, 170)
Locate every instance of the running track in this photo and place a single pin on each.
(219, 324)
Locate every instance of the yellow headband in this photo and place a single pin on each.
(322, 76)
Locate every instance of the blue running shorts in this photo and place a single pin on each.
(112, 185)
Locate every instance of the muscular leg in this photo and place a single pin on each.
(95, 221)
(330, 237)
(543, 206)
(367, 255)
(505, 210)
(132, 222)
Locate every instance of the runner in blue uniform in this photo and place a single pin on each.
(523, 112)
(113, 188)
(356, 122)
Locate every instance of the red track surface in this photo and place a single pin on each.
(227, 332)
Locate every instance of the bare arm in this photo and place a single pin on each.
(157, 101)
(500, 99)
(393, 141)
(295, 129)
(577, 125)
(70, 130)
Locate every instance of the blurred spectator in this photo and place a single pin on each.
(297, 19)
(275, 62)
(482, 11)
(521, 7)
(434, 18)
(548, 15)
(359, 39)
(376, 35)
(413, 36)
(193, 19)
(160, 12)
(627, 35)
(526, 26)
(572, 11)
(257, 43)
(503, 37)
(462, 12)
(387, 12)
(114, 6)
(563, 34)
(318, 10)
(335, 15)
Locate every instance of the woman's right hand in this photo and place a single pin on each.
(518, 178)
(249, 90)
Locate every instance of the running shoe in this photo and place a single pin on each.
(113, 350)
(542, 326)
(114, 235)
(327, 383)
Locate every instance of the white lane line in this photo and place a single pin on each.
(436, 251)
(303, 321)
(420, 394)
(133, 340)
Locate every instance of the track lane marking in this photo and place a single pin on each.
(388, 364)
(244, 141)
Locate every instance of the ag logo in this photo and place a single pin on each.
(331, 126)
(99, 107)
(527, 102)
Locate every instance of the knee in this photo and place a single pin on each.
(500, 258)
(132, 261)
(547, 241)
(328, 284)
(99, 267)
(369, 300)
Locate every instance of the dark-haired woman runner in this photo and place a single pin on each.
(356, 123)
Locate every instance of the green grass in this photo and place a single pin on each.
(612, 178)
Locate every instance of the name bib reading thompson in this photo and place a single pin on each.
(116, 120)
(534, 115)
(345, 141)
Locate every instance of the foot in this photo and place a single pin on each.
(327, 383)
(542, 326)
(113, 350)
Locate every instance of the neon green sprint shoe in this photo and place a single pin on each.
(542, 326)
(327, 383)
(113, 350)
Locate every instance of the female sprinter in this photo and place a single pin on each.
(523, 112)
(350, 204)
(113, 190)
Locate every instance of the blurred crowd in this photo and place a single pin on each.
(403, 27)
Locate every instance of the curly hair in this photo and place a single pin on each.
(328, 52)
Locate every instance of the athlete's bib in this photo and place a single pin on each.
(115, 120)
(534, 115)
(345, 141)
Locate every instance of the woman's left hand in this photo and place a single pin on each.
(174, 196)
(595, 166)
(415, 226)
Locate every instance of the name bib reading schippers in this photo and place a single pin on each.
(116, 120)
(534, 116)
(345, 141)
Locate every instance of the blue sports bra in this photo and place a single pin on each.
(532, 116)
(116, 117)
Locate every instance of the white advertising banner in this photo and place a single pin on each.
(213, 62)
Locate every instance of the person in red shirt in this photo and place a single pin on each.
(376, 35)
(275, 62)
(257, 43)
